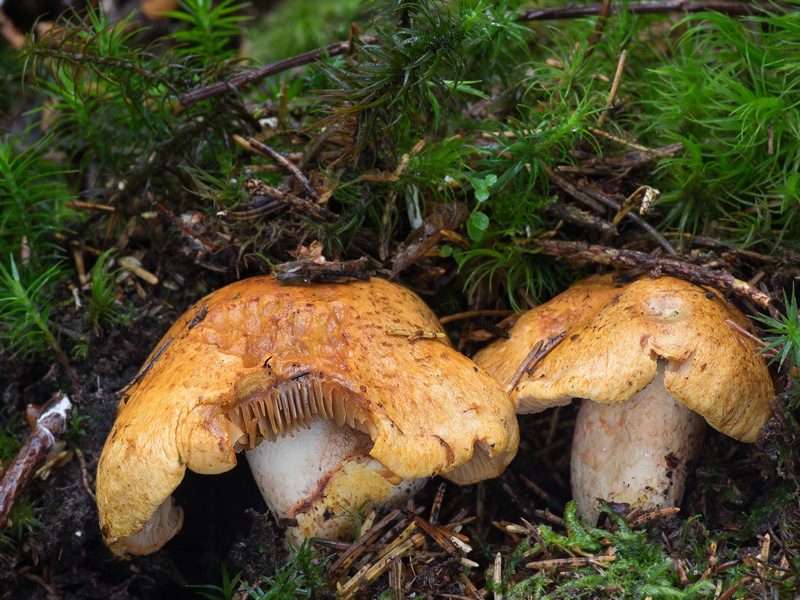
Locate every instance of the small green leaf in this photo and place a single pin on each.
(483, 186)
(462, 86)
(480, 220)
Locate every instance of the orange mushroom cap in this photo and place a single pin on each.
(259, 360)
(614, 338)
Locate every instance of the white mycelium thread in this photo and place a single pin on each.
(61, 408)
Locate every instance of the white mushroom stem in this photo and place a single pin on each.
(637, 452)
(314, 479)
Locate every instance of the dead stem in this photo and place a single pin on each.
(599, 27)
(419, 334)
(437, 504)
(542, 493)
(233, 84)
(577, 561)
(85, 474)
(497, 576)
(651, 515)
(177, 223)
(591, 197)
(656, 266)
(145, 368)
(541, 349)
(624, 142)
(573, 214)
(642, 197)
(623, 58)
(728, 594)
(261, 148)
(426, 236)
(570, 12)
(759, 343)
(548, 516)
(370, 572)
(50, 425)
(343, 563)
(649, 8)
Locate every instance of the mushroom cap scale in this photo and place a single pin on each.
(424, 405)
(611, 352)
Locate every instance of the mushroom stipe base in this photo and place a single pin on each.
(319, 481)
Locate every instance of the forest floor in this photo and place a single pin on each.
(202, 205)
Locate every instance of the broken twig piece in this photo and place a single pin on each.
(49, 426)
(413, 336)
(632, 259)
(535, 356)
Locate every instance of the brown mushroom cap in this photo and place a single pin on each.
(612, 347)
(257, 359)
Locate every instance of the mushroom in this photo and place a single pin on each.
(334, 412)
(654, 361)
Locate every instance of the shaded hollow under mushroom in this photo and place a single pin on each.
(653, 360)
(260, 363)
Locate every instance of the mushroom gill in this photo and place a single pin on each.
(268, 409)
(482, 466)
(159, 529)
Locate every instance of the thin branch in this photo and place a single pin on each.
(357, 548)
(541, 349)
(233, 84)
(179, 224)
(656, 266)
(649, 8)
(471, 314)
(599, 26)
(573, 214)
(589, 196)
(264, 150)
(49, 426)
(623, 58)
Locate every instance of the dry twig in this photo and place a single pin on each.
(260, 148)
(50, 425)
(577, 561)
(541, 349)
(471, 314)
(649, 8)
(179, 224)
(623, 58)
(343, 563)
(589, 196)
(233, 84)
(632, 259)
(418, 334)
